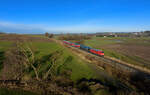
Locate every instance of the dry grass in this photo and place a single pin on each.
(14, 37)
(13, 65)
(131, 50)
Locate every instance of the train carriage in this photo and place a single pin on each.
(85, 47)
(76, 45)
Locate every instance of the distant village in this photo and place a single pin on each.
(124, 34)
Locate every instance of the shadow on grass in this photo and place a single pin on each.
(5, 91)
(84, 85)
(141, 81)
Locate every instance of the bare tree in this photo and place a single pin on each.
(47, 34)
(51, 35)
(29, 56)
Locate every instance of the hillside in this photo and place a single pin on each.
(39, 64)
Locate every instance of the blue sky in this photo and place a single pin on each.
(75, 16)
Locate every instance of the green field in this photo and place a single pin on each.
(4, 46)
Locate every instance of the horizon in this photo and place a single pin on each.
(74, 16)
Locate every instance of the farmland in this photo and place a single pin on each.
(44, 48)
(36, 59)
(131, 50)
(74, 47)
(42, 64)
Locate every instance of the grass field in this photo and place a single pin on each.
(4, 46)
(50, 56)
(132, 50)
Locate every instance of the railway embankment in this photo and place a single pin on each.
(135, 76)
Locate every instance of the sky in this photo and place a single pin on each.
(74, 16)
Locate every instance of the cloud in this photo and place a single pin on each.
(21, 28)
(86, 27)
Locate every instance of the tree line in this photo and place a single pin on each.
(74, 37)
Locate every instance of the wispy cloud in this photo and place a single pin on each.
(21, 28)
(87, 27)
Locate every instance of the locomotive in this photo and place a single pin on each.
(85, 48)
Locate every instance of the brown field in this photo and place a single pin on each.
(14, 37)
(132, 50)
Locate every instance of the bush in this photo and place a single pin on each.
(50, 35)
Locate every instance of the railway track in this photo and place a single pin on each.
(135, 76)
(115, 62)
(106, 60)
(109, 62)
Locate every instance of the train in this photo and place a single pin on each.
(85, 48)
